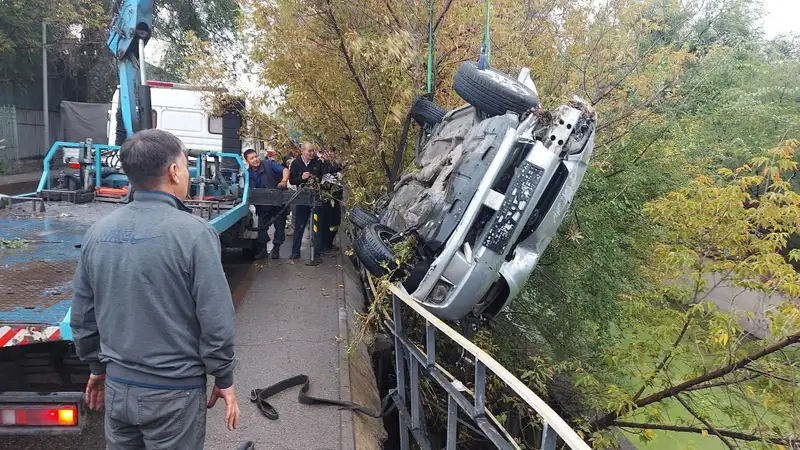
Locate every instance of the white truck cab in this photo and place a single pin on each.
(181, 110)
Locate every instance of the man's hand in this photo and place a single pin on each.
(306, 175)
(283, 183)
(96, 391)
(231, 407)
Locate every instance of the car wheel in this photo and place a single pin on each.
(360, 217)
(493, 92)
(374, 251)
(426, 112)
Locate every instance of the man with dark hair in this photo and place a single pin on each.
(300, 173)
(151, 310)
(268, 174)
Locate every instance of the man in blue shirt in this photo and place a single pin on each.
(268, 174)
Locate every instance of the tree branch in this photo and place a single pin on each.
(722, 383)
(353, 72)
(609, 419)
(666, 358)
(681, 429)
(704, 422)
(441, 16)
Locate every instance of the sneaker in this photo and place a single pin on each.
(295, 256)
(276, 252)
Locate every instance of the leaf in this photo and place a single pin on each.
(704, 432)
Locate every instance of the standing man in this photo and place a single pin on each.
(332, 206)
(300, 172)
(268, 174)
(151, 311)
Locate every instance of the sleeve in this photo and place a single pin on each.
(83, 322)
(277, 168)
(214, 307)
(329, 167)
(295, 176)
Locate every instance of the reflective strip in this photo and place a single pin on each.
(22, 335)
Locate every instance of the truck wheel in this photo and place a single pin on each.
(493, 92)
(374, 251)
(426, 112)
(360, 217)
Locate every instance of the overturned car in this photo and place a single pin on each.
(492, 183)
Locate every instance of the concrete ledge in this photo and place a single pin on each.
(357, 379)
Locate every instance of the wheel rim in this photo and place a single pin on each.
(507, 81)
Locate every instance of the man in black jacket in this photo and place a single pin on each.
(300, 173)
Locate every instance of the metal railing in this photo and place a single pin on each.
(411, 360)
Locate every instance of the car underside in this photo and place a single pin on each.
(487, 194)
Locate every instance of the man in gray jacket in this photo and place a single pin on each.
(152, 312)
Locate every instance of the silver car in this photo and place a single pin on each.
(491, 186)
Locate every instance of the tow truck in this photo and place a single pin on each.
(41, 379)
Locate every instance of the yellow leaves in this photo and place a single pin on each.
(649, 435)
(704, 432)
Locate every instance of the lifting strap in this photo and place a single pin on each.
(486, 44)
(260, 397)
(430, 49)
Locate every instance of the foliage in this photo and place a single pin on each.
(679, 343)
(77, 34)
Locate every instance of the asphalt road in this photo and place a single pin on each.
(239, 275)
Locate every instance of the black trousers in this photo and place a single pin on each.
(302, 215)
(332, 214)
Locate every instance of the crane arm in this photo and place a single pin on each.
(130, 31)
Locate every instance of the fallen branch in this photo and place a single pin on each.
(727, 433)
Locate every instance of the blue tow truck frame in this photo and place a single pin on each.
(32, 338)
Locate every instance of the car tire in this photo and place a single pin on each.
(426, 112)
(374, 251)
(493, 92)
(360, 217)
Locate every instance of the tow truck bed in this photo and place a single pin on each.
(38, 257)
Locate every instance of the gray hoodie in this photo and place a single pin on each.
(151, 305)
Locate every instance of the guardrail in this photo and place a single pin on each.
(554, 427)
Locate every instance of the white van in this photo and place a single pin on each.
(179, 109)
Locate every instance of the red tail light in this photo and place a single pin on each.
(74, 166)
(38, 415)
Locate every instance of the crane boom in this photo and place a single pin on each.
(130, 31)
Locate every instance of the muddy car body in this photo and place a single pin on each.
(488, 193)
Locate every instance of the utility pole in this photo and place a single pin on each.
(45, 106)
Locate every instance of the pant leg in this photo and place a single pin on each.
(327, 215)
(280, 226)
(122, 433)
(301, 214)
(263, 232)
(170, 419)
(335, 221)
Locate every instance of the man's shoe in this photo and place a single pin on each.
(261, 255)
(276, 252)
(295, 256)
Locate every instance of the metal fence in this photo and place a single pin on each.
(8, 132)
(411, 361)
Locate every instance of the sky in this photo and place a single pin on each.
(780, 17)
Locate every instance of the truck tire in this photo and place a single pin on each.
(426, 112)
(493, 92)
(360, 217)
(374, 251)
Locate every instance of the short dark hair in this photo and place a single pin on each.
(146, 156)
(249, 152)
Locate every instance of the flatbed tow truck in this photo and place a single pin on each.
(41, 379)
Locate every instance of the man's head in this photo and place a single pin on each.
(251, 157)
(307, 151)
(155, 160)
